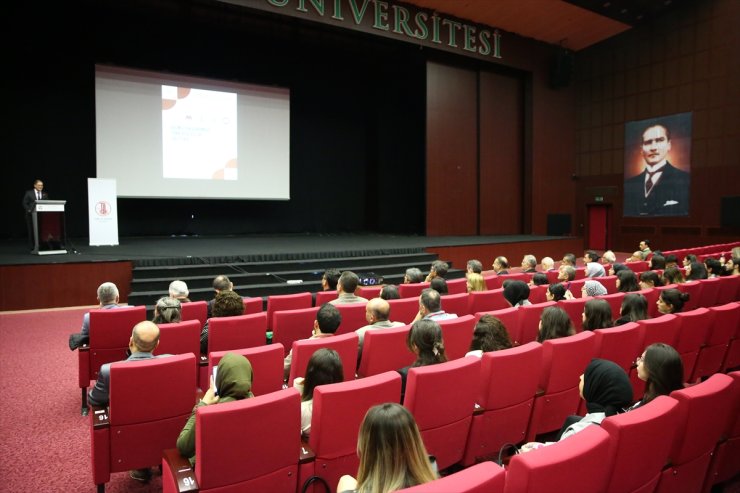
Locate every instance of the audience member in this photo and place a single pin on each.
(555, 292)
(430, 307)
(672, 301)
(593, 267)
(516, 292)
(636, 256)
(324, 367)
(688, 259)
(377, 314)
(634, 308)
(554, 324)
(714, 267)
(437, 269)
(326, 324)
(167, 311)
(391, 452)
(390, 292)
(529, 263)
(474, 266)
(179, 290)
(220, 283)
(475, 282)
(539, 279)
(566, 273)
(732, 266)
(568, 259)
(626, 281)
(696, 271)
(425, 341)
(489, 335)
(593, 288)
(439, 285)
(615, 268)
(644, 247)
(226, 304)
(108, 299)
(233, 382)
(547, 264)
(501, 266)
(346, 287)
(657, 262)
(673, 275)
(661, 368)
(413, 275)
(650, 279)
(608, 257)
(329, 279)
(597, 314)
(671, 261)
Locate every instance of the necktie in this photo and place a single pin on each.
(38, 195)
(649, 183)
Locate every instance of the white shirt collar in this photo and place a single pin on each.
(656, 167)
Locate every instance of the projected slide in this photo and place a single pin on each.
(198, 134)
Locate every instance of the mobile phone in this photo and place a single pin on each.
(215, 372)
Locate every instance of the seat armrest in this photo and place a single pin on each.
(307, 454)
(100, 417)
(180, 469)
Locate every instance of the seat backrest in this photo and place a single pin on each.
(385, 350)
(509, 377)
(574, 309)
(493, 281)
(576, 287)
(179, 338)
(253, 305)
(578, 464)
(251, 444)
(353, 317)
(515, 276)
(621, 344)
(564, 360)
(652, 295)
(637, 267)
(238, 332)
(663, 329)
(615, 302)
(485, 477)
(709, 292)
(538, 294)
(580, 273)
(529, 321)
(346, 345)
(725, 323)
(369, 292)
(457, 286)
(729, 289)
(609, 282)
(110, 332)
(510, 317)
(412, 290)
(487, 301)
(640, 442)
(695, 326)
(704, 415)
(279, 302)
(404, 310)
(694, 290)
(292, 325)
(442, 398)
(456, 335)
(338, 411)
(267, 366)
(194, 310)
(456, 303)
(325, 297)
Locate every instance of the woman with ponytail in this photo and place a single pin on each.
(424, 340)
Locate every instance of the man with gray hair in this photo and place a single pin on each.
(437, 269)
(547, 264)
(475, 266)
(179, 291)
(608, 257)
(430, 306)
(529, 264)
(108, 299)
(413, 275)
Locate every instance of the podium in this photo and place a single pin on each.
(49, 236)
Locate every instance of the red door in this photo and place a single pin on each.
(599, 227)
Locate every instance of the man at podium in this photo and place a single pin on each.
(29, 199)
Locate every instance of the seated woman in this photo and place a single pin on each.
(226, 304)
(661, 368)
(324, 367)
(516, 292)
(554, 323)
(615, 268)
(425, 341)
(555, 292)
(593, 288)
(233, 382)
(649, 280)
(657, 262)
(489, 335)
(672, 301)
(475, 282)
(607, 391)
(167, 311)
(696, 271)
(597, 314)
(627, 281)
(391, 452)
(634, 308)
(673, 275)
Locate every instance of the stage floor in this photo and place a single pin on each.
(247, 247)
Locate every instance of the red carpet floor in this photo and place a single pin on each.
(45, 443)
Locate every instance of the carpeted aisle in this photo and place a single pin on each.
(45, 444)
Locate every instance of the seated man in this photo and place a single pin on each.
(220, 283)
(377, 313)
(108, 298)
(144, 340)
(547, 264)
(501, 266)
(637, 256)
(593, 267)
(430, 306)
(568, 259)
(346, 287)
(438, 269)
(608, 258)
(474, 266)
(529, 264)
(326, 324)
(179, 291)
(413, 275)
(329, 279)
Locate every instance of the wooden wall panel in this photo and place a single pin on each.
(501, 154)
(29, 287)
(452, 143)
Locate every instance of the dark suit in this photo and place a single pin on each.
(29, 199)
(669, 196)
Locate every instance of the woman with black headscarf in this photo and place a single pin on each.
(516, 292)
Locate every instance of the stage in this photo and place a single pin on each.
(45, 281)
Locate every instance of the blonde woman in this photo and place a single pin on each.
(391, 452)
(475, 282)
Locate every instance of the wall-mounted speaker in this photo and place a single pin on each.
(562, 67)
(558, 224)
(729, 216)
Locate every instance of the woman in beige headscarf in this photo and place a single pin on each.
(233, 383)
